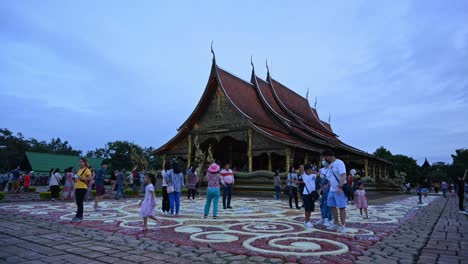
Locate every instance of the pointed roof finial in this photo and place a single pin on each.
(268, 69)
(251, 62)
(307, 94)
(329, 118)
(315, 105)
(212, 51)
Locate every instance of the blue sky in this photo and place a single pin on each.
(390, 73)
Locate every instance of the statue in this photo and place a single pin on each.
(139, 161)
(210, 157)
(199, 156)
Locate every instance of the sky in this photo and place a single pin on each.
(390, 73)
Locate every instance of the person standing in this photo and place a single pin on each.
(4, 182)
(113, 180)
(349, 181)
(336, 197)
(26, 182)
(16, 179)
(136, 182)
(175, 180)
(130, 180)
(166, 206)
(444, 187)
(81, 187)
(120, 185)
(228, 178)
(68, 192)
(192, 180)
(277, 182)
(436, 188)
(325, 210)
(10, 182)
(54, 184)
(89, 192)
(300, 184)
(361, 199)
(212, 196)
(309, 194)
(99, 181)
(292, 182)
(460, 183)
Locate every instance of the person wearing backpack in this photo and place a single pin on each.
(338, 190)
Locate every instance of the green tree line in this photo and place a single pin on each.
(14, 146)
(436, 172)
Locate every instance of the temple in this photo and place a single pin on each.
(259, 125)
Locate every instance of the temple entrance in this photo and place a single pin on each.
(228, 150)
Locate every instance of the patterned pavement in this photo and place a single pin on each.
(255, 227)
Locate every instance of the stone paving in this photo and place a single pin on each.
(435, 234)
(257, 231)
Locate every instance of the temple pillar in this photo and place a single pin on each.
(366, 167)
(270, 162)
(189, 154)
(306, 158)
(288, 158)
(380, 171)
(249, 150)
(373, 170)
(164, 157)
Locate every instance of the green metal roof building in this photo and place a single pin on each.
(43, 162)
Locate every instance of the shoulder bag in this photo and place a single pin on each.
(348, 190)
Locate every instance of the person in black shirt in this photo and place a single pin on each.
(460, 186)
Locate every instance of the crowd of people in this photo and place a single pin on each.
(330, 186)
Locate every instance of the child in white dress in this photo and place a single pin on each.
(148, 204)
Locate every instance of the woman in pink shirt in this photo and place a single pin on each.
(212, 195)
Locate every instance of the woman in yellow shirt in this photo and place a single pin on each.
(82, 178)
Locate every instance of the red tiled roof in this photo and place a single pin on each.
(267, 93)
(244, 97)
(298, 106)
(271, 109)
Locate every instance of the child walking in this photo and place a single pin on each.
(361, 199)
(148, 204)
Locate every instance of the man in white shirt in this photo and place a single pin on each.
(228, 178)
(336, 198)
(308, 194)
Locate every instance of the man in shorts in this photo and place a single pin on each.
(99, 184)
(336, 197)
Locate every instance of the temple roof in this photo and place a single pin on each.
(271, 109)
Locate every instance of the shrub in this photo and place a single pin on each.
(2, 195)
(131, 193)
(367, 180)
(32, 189)
(45, 195)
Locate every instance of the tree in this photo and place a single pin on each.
(383, 153)
(408, 165)
(102, 153)
(120, 154)
(460, 163)
(439, 171)
(58, 147)
(155, 162)
(13, 148)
